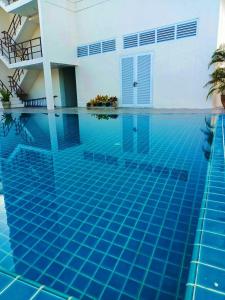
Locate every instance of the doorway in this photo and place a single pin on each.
(67, 78)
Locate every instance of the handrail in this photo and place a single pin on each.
(4, 87)
(25, 50)
(22, 51)
(13, 46)
(16, 88)
(3, 49)
(17, 75)
(16, 21)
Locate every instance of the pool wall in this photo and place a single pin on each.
(207, 273)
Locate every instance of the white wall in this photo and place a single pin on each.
(58, 31)
(38, 88)
(4, 73)
(4, 24)
(180, 68)
(5, 20)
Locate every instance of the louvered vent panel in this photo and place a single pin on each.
(127, 80)
(82, 51)
(146, 38)
(186, 30)
(166, 34)
(109, 46)
(95, 49)
(130, 41)
(144, 79)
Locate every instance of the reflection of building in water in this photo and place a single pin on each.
(64, 206)
(136, 133)
(30, 198)
(68, 130)
(28, 189)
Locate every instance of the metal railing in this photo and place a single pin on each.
(17, 52)
(15, 23)
(16, 88)
(17, 75)
(4, 87)
(38, 102)
(27, 50)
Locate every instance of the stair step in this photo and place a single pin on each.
(13, 105)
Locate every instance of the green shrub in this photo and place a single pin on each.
(100, 100)
(5, 95)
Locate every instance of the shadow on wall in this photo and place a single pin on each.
(67, 79)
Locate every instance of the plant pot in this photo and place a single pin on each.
(223, 100)
(6, 105)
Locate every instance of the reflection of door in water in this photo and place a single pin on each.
(67, 77)
(136, 134)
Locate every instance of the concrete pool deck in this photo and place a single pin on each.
(103, 110)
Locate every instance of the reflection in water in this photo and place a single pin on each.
(102, 209)
(208, 132)
(105, 116)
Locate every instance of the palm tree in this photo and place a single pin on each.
(217, 78)
(218, 56)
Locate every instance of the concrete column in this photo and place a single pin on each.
(53, 132)
(48, 85)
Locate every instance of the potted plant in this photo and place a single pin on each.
(217, 78)
(100, 100)
(5, 98)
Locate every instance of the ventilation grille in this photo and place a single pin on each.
(130, 41)
(162, 34)
(96, 48)
(187, 30)
(109, 46)
(166, 34)
(146, 38)
(82, 51)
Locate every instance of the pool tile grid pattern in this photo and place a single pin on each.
(98, 226)
(17, 288)
(207, 274)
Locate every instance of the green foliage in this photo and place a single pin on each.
(216, 82)
(5, 95)
(217, 78)
(218, 56)
(100, 100)
(7, 119)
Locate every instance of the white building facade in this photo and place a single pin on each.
(147, 53)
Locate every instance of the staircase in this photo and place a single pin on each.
(14, 99)
(13, 52)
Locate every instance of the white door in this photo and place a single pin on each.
(136, 80)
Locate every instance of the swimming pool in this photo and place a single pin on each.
(101, 206)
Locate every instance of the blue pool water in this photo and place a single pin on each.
(102, 206)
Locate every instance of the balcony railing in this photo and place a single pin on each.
(16, 88)
(27, 50)
(17, 75)
(39, 102)
(17, 52)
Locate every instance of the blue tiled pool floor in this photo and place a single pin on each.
(15, 287)
(103, 209)
(207, 276)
